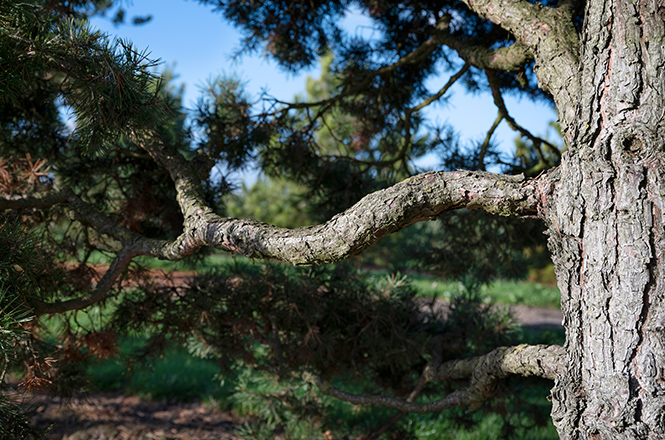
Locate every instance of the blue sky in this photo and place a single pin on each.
(201, 44)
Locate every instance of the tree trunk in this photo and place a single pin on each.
(606, 221)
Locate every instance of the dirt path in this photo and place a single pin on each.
(536, 317)
(119, 417)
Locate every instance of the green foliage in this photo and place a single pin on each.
(473, 246)
(15, 422)
(329, 319)
(224, 116)
(357, 130)
(27, 272)
(25, 276)
(113, 79)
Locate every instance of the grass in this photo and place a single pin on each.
(176, 375)
(500, 291)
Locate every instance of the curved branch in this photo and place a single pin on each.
(503, 110)
(415, 199)
(484, 371)
(550, 35)
(118, 265)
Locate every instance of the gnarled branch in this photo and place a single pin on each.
(484, 372)
(550, 35)
(418, 198)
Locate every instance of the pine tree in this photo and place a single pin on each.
(126, 182)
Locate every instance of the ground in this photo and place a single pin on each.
(119, 417)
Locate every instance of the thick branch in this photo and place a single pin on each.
(549, 33)
(418, 198)
(484, 372)
(524, 360)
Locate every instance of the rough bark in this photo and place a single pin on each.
(416, 199)
(551, 38)
(606, 224)
(483, 372)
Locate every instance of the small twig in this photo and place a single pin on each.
(442, 91)
(501, 105)
(484, 371)
(486, 142)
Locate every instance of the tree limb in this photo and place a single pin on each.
(418, 198)
(550, 35)
(415, 199)
(38, 201)
(524, 360)
(484, 371)
(118, 265)
(511, 58)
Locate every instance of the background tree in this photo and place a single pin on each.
(600, 63)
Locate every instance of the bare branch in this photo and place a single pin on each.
(486, 143)
(503, 110)
(118, 265)
(523, 360)
(415, 199)
(453, 79)
(418, 198)
(484, 371)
